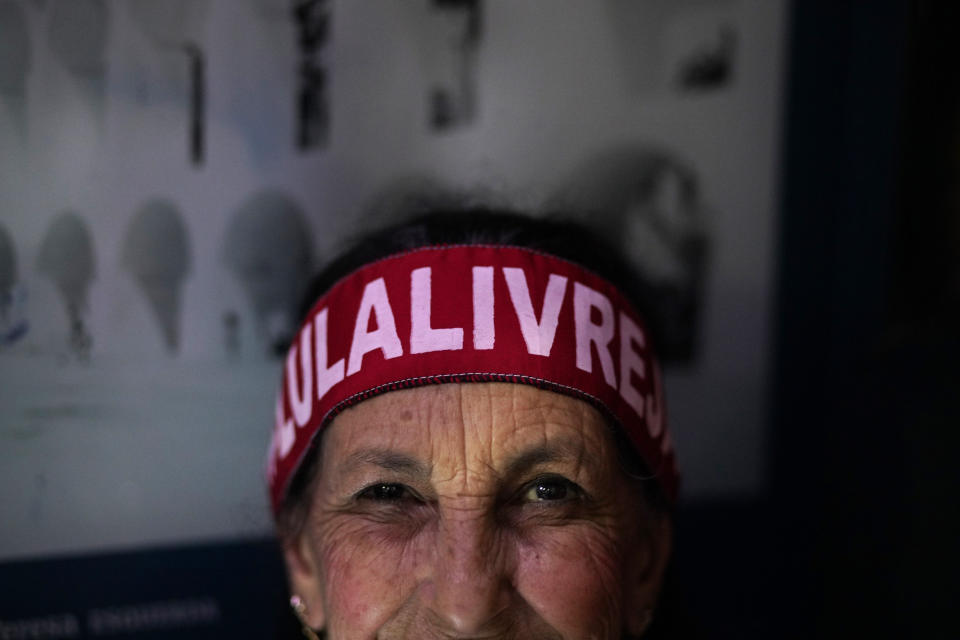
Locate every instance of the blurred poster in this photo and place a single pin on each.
(158, 225)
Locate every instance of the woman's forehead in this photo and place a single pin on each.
(496, 422)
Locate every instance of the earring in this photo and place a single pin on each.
(300, 610)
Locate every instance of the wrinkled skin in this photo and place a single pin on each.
(476, 511)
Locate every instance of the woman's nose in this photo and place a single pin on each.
(471, 578)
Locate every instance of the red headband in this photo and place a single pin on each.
(469, 314)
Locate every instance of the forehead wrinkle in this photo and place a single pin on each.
(377, 433)
(388, 459)
(445, 436)
(472, 433)
(569, 430)
(536, 427)
(466, 446)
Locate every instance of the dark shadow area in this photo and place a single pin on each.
(15, 57)
(269, 248)
(156, 252)
(8, 264)
(865, 391)
(67, 258)
(646, 202)
(225, 590)
(78, 33)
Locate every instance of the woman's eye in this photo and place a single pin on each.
(550, 490)
(385, 492)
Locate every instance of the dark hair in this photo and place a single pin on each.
(555, 234)
(479, 225)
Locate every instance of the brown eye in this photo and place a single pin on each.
(384, 492)
(549, 490)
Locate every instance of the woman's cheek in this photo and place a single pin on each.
(367, 573)
(572, 576)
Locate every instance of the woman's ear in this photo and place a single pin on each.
(304, 576)
(646, 566)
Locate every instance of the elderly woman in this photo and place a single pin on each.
(470, 439)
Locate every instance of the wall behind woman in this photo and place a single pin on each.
(172, 171)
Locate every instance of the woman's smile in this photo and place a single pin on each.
(475, 511)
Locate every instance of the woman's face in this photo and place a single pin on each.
(475, 511)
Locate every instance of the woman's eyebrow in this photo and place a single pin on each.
(561, 451)
(386, 459)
